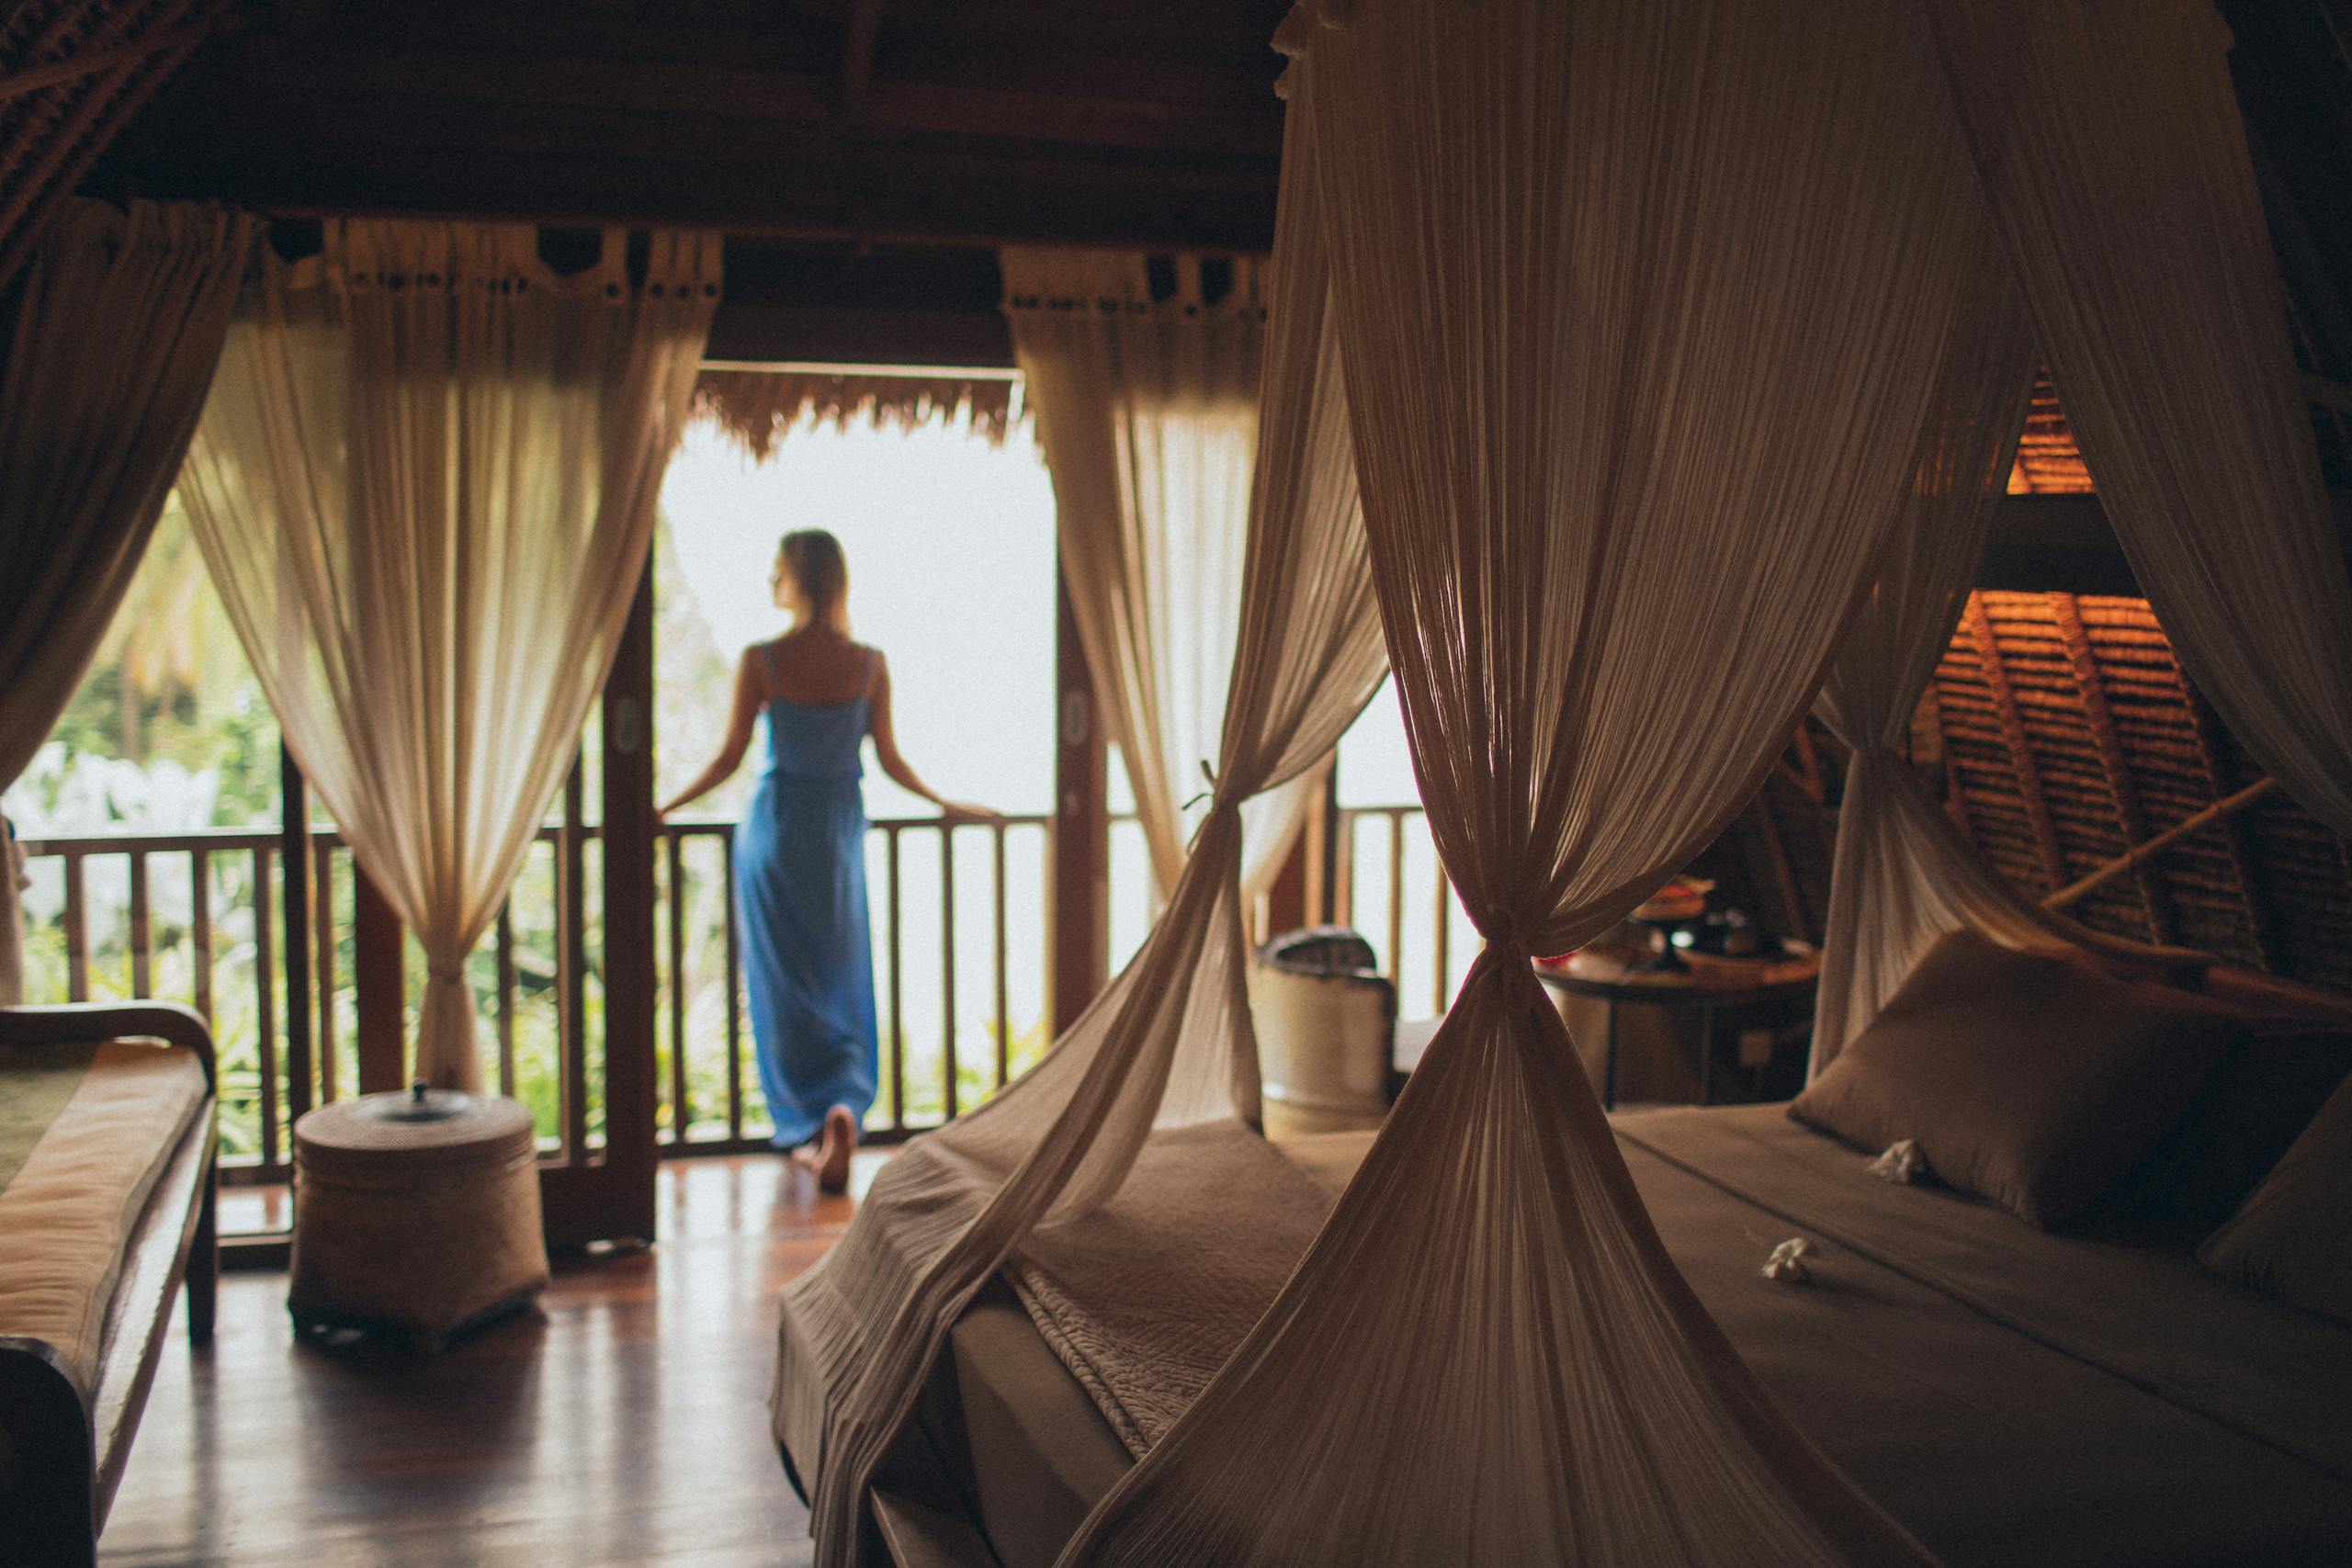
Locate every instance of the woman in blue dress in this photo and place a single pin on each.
(800, 853)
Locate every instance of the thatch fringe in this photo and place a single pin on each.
(757, 406)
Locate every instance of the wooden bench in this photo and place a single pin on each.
(63, 1451)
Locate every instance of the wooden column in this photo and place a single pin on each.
(379, 986)
(1081, 874)
(294, 856)
(629, 979)
(1285, 901)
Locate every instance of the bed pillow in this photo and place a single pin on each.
(2033, 1080)
(2293, 1238)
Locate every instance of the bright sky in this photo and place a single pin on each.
(950, 563)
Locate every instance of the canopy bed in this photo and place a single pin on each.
(1664, 425)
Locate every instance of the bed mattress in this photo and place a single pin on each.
(86, 1132)
(2013, 1397)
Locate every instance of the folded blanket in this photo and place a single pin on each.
(1147, 1297)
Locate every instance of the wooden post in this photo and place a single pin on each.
(379, 986)
(1295, 896)
(1081, 874)
(631, 983)
(294, 856)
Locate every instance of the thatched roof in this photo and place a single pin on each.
(2049, 463)
(757, 405)
(2061, 732)
(2068, 734)
(72, 74)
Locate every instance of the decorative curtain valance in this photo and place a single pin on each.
(1168, 1045)
(424, 488)
(113, 331)
(1145, 403)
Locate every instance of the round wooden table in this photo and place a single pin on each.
(1710, 985)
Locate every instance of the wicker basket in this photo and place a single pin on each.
(415, 1214)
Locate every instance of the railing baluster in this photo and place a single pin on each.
(77, 933)
(1442, 940)
(323, 966)
(1003, 1004)
(734, 987)
(1395, 899)
(898, 1035)
(142, 929)
(948, 962)
(295, 864)
(504, 943)
(267, 1044)
(266, 999)
(681, 1113)
(200, 927)
(571, 937)
(1343, 870)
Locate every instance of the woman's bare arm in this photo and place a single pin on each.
(749, 697)
(894, 764)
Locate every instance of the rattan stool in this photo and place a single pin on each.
(415, 1214)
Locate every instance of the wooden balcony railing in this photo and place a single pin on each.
(1405, 905)
(708, 1080)
(198, 917)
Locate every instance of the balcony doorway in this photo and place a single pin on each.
(949, 534)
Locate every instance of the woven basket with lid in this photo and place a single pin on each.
(415, 1212)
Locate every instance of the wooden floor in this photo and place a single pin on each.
(626, 1425)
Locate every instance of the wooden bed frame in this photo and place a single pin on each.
(60, 1460)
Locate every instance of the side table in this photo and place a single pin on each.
(1718, 985)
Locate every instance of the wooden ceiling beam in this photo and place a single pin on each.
(2114, 759)
(89, 62)
(913, 201)
(271, 77)
(326, 130)
(860, 34)
(1978, 627)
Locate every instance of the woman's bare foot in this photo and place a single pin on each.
(833, 1154)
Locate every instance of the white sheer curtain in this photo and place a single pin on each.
(1168, 1043)
(1148, 413)
(424, 486)
(1902, 877)
(2111, 150)
(116, 324)
(1903, 874)
(1640, 307)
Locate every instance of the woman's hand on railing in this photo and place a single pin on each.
(957, 813)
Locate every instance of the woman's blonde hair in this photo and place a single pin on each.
(820, 571)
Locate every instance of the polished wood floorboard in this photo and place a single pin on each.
(624, 1423)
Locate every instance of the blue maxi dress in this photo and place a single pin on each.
(808, 953)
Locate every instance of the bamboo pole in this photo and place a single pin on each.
(2139, 854)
